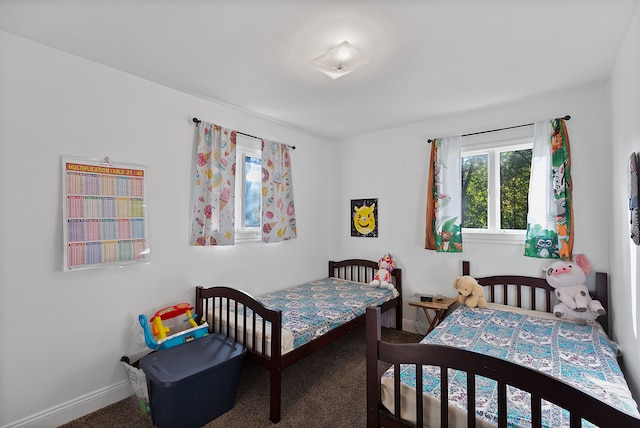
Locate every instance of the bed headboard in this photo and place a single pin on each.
(535, 293)
(360, 270)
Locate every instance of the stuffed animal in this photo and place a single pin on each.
(470, 293)
(574, 301)
(382, 279)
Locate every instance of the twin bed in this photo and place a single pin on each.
(282, 327)
(484, 351)
(504, 366)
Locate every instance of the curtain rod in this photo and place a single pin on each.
(567, 117)
(197, 122)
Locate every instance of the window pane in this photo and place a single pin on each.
(252, 191)
(515, 168)
(475, 191)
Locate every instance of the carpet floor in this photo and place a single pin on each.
(325, 389)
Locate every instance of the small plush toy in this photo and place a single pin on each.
(574, 302)
(382, 279)
(470, 293)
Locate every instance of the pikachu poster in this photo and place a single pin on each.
(364, 217)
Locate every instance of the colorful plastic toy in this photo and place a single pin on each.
(156, 334)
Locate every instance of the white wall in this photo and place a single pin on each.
(392, 166)
(64, 333)
(624, 255)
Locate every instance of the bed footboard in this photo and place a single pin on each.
(539, 385)
(240, 316)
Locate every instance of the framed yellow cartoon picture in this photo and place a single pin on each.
(364, 218)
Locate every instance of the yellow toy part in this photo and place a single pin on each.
(158, 329)
(190, 319)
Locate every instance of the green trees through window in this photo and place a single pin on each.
(495, 187)
(515, 170)
(475, 191)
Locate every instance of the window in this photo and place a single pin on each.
(248, 189)
(252, 175)
(495, 187)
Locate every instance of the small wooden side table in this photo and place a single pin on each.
(439, 307)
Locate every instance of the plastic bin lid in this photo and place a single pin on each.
(179, 363)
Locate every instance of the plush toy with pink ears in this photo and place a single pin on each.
(382, 278)
(574, 301)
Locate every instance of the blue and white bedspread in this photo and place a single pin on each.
(310, 310)
(580, 355)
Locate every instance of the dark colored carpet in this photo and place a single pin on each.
(325, 389)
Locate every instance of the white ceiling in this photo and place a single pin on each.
(428, 57)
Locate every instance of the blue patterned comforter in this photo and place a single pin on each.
(580, 355)
(310, 310)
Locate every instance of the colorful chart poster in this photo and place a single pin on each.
(103, 214)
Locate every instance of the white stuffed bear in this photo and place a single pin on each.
(574, 302)
(470, 293)
(382, 279)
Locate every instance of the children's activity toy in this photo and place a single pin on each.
(157, 334)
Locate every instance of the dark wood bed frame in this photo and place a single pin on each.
(501, 289)
(270, 355)
(540, 385)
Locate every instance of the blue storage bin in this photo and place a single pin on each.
(194, 383)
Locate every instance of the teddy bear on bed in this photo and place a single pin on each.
(574, 301)
(470, 293)
(382, 278)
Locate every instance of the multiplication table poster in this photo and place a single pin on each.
(103, 213)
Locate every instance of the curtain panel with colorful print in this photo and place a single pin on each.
(550, 216)
(278, 209)
(444, 199)
(214, 186)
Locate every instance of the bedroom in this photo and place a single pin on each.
(82, 322)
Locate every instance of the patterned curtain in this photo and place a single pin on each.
(444, 200)
(549, 220)
(214, 186)
(278, 210)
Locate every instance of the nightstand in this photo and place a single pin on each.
(439, 307)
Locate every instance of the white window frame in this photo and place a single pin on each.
(493, 145)
(251, 147)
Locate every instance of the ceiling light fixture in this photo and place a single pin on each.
(339, 60)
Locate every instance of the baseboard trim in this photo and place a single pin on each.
(76, 408)
(415, 327)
